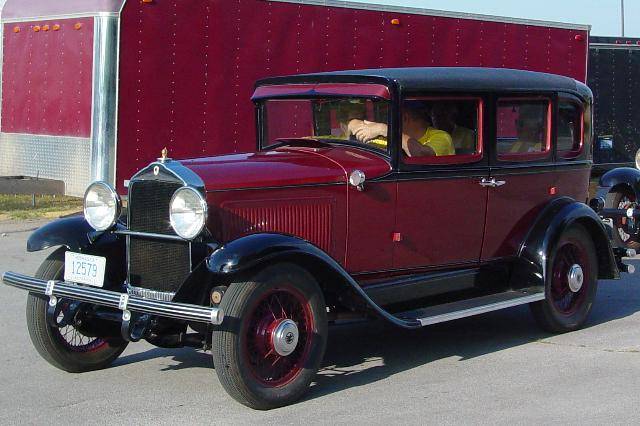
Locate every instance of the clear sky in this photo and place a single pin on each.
(603, 15)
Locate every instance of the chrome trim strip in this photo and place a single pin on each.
(112, 299)
(612, 46)
(145, 293)
(482, 309)
(59, 17)
(150, 235)
(103, 114)
(439, 13)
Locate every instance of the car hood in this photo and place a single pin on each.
(287, 166)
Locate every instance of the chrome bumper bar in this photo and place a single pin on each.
(112, 299)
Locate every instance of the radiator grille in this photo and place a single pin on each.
(149, 206)
(155, 264)
(158, 265)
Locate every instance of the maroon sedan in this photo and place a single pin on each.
(416, 195)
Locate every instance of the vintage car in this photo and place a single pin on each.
(417, 195)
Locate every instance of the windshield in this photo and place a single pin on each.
(330, 120)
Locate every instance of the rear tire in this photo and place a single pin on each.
(568, 303)
(66, 348)
(248, 355)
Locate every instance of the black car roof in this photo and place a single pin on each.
(447, 78)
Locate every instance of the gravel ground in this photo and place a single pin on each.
(496, 368)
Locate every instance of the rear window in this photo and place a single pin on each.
(523, 129)
(570, 130)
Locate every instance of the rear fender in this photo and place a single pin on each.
(531, 269)
(258, 250)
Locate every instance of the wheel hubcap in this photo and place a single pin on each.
(285, 337)
(570, 280)
(575, 278)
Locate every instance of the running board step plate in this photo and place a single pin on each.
(471, 307)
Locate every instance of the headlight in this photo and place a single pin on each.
(101, 206)
(188, 212)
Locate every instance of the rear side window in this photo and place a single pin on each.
(523, 129)
(570, 130)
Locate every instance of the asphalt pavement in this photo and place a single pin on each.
(498, 368)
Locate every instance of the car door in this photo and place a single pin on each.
(441, 200)
(523, 170)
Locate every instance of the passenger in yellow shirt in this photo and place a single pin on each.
(419, 138)
(531, 130)
(444, 116)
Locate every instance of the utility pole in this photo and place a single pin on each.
(622, 10)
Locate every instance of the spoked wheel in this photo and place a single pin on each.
(272, 342)
(279, 334)
(67, 346)
(622, 199)
(571, 283)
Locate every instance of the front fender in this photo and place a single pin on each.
(257, 250)
(543, 237)
(77, 235)
(73, 233)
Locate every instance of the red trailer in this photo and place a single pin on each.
(94, 89)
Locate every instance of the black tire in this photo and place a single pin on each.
(615, 199)
(237, 352)
(564, 310)
(50, 342)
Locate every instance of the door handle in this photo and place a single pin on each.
(492, 183)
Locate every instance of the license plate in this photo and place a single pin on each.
(84, 269)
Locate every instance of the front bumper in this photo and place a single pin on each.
(112, 299)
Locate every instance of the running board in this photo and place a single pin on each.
(470, 307)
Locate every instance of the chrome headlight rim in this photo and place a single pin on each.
(203, 206)
(114, 197)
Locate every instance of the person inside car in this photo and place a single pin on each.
(419, 137)
(444, 117)
(530, 127)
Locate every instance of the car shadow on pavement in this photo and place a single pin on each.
(182, 358)
(360, 354)
(366, 352)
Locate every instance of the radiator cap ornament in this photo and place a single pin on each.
(164, 155)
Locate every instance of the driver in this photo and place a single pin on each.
(419, 137)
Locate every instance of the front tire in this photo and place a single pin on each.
(622, 199)
(262, 359)
(66, 348)
(571, 283)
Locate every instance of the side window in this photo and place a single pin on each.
(523, 129)
(570, 130)
(444, 130)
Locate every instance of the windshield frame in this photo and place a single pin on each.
(261, 122)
